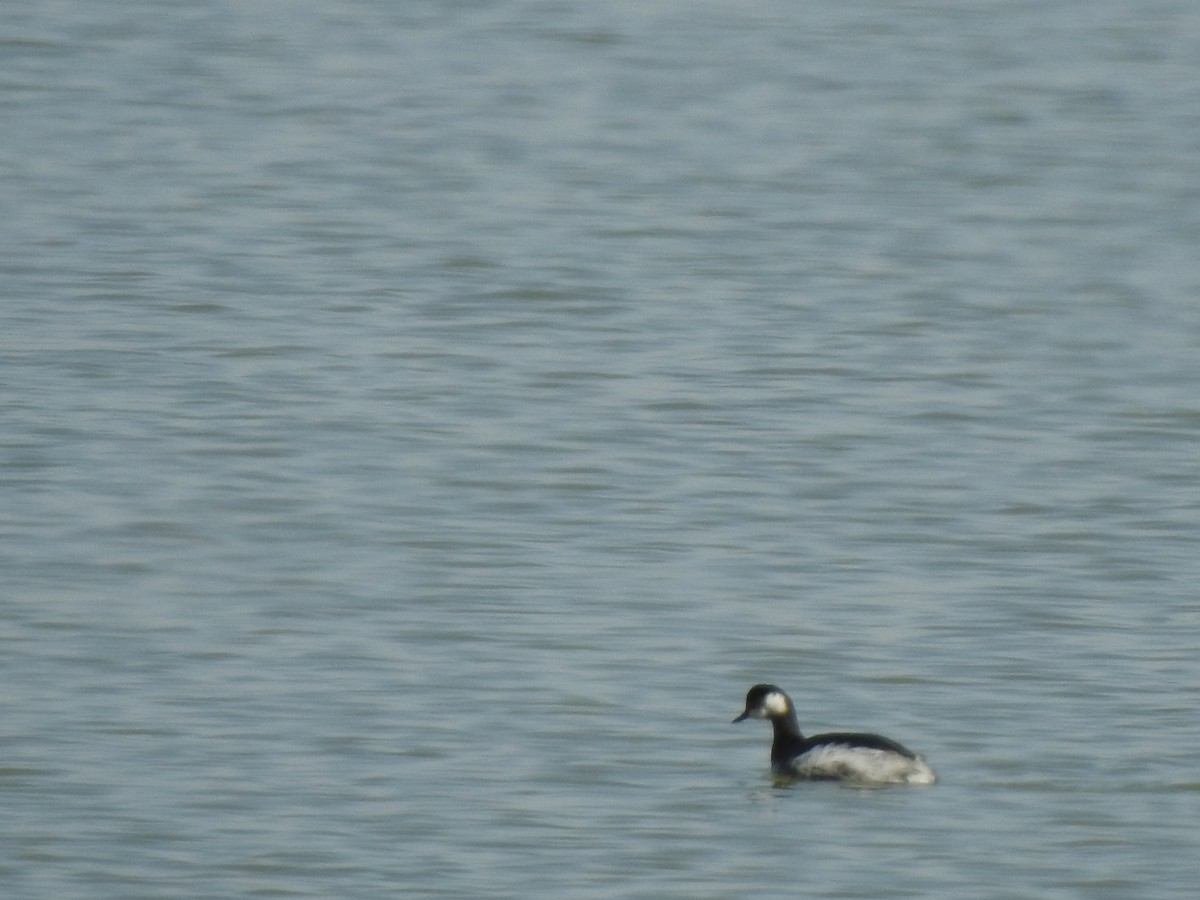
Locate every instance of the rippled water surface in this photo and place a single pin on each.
(422, 422)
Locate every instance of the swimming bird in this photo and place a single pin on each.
(862, 759)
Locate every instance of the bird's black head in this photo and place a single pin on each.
(765, 701)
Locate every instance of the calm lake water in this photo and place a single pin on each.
(422, 421)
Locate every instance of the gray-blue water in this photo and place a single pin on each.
(422, 421)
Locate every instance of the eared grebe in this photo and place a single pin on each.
(863, 759)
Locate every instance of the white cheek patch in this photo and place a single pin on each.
(775, 704)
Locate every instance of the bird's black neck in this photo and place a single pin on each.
(788, 741)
